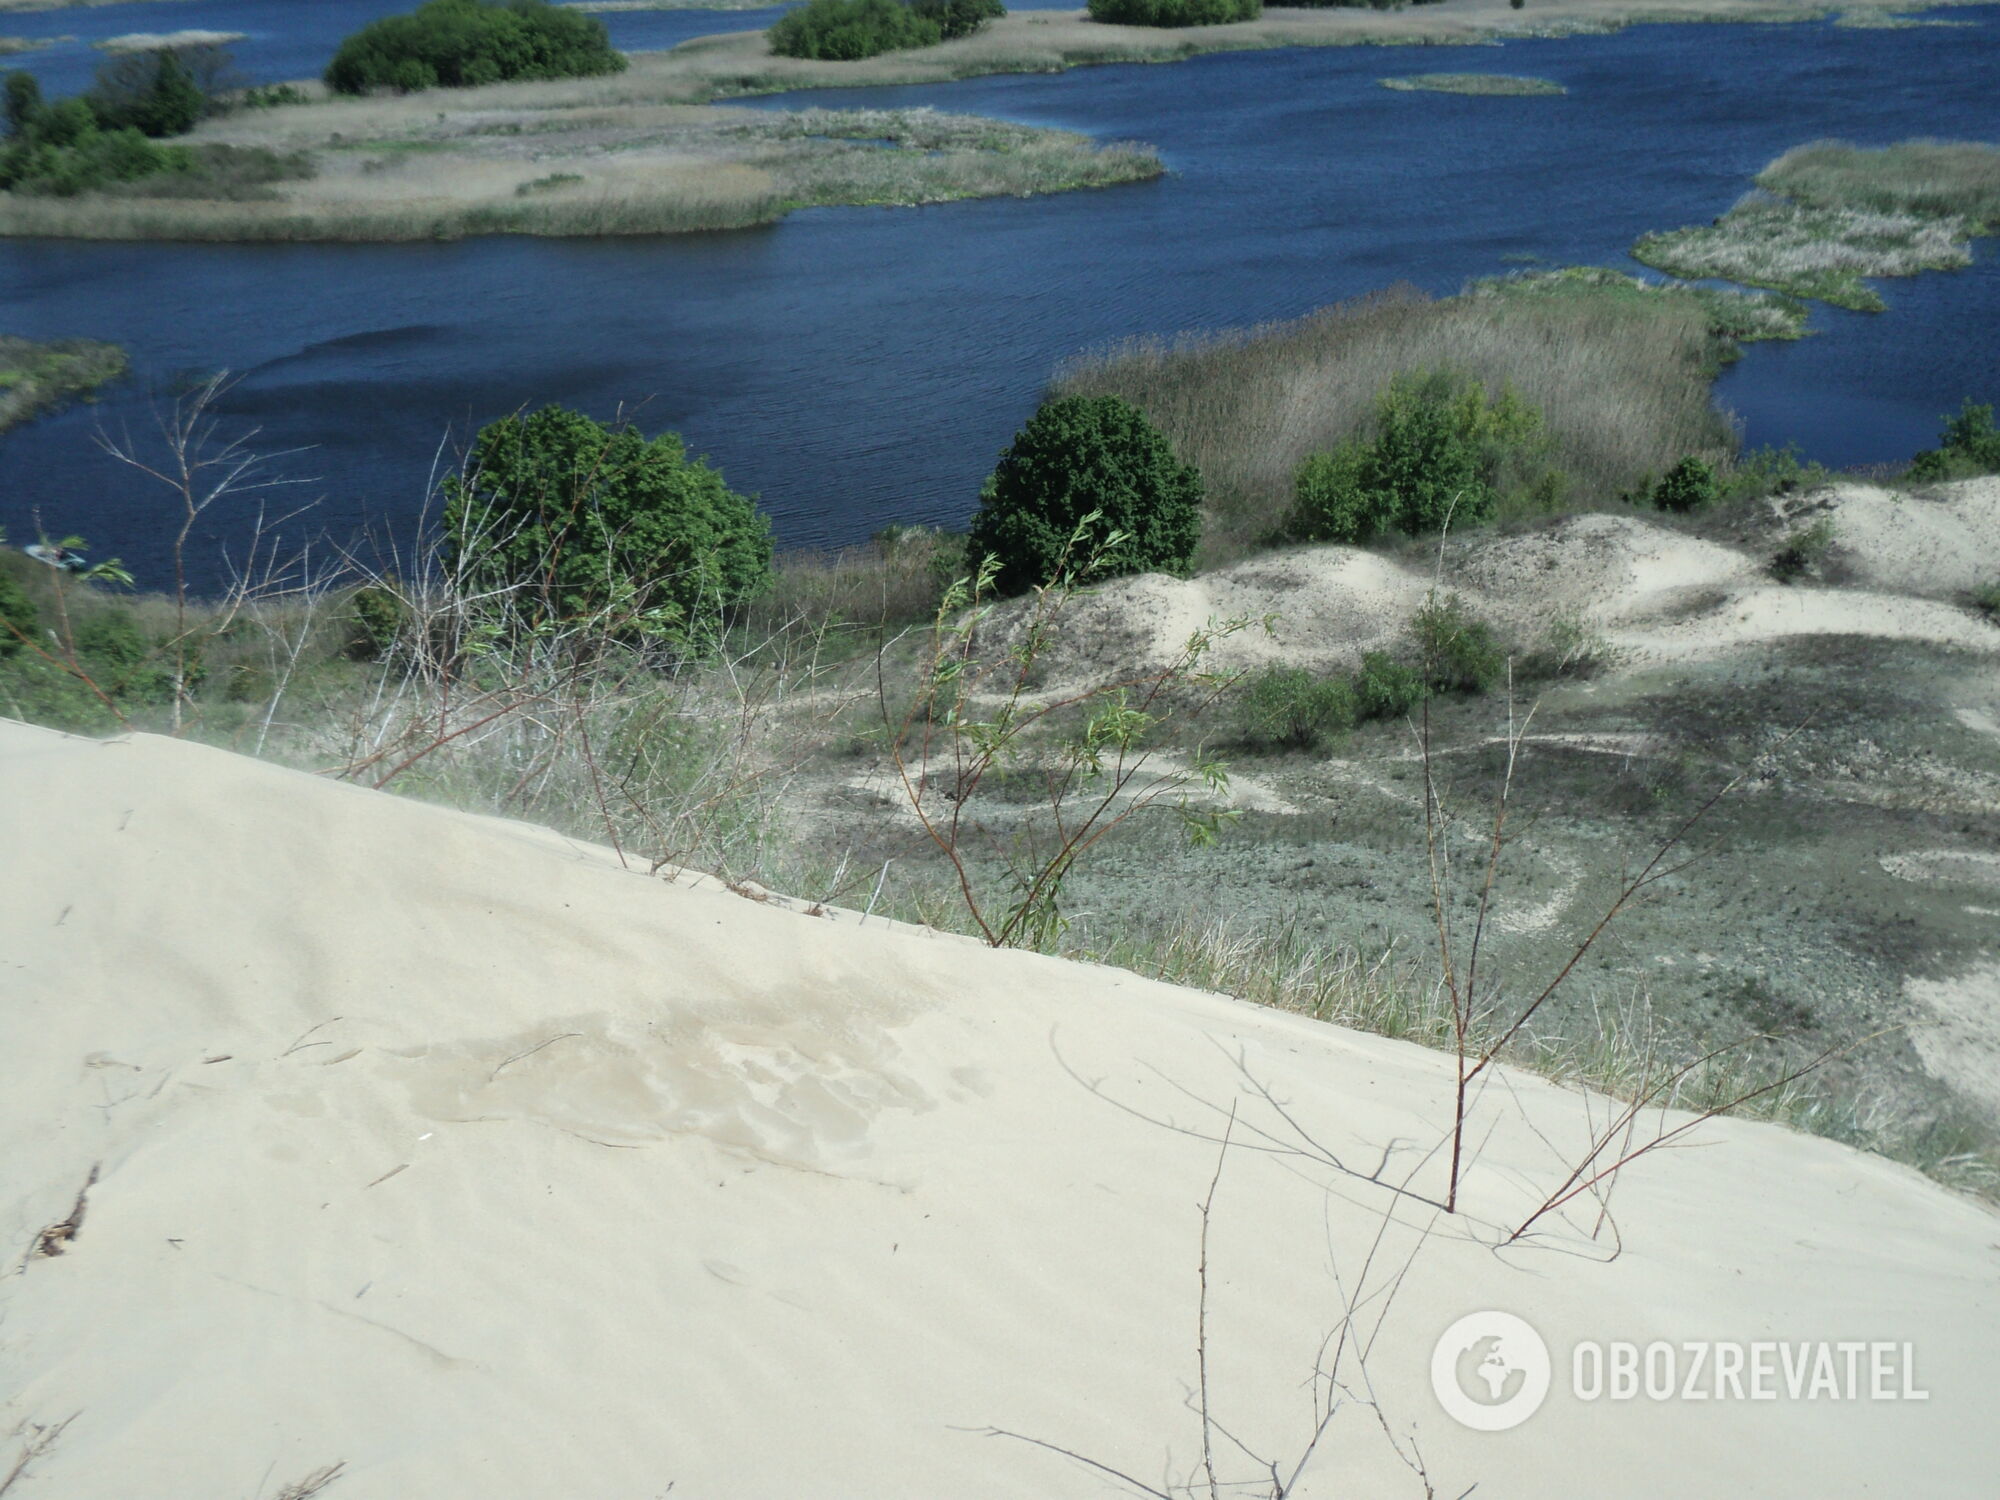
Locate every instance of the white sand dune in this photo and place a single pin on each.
(452, 1151)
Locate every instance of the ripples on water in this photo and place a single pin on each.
(858, 366)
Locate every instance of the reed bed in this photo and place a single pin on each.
(1622, 381)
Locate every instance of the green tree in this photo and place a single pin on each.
(154, 93)
(594, 524)
(23, 102)
(956, 18)
(848, 30)
(464, 43)
(1174, 12)
(1442, 451)
(1969, 444)
(1083, 456)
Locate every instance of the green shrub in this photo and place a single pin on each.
(1969, 445)
(465, 43)
(1174, 12)
(1687, 486)
(1079, 456)
(848, 30)
(1441, 450)
(1288, 707)
(957, 18)
(603, 528)
(1385, 688)
(1455, 651)
(1986, 600)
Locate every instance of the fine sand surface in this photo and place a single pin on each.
(453, 1152)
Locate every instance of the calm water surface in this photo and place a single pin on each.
(858, 366)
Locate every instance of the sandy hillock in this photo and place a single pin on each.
(452, 1152)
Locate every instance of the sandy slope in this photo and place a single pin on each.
(451, 1150)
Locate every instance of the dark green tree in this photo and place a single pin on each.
(154, 93)
(464, 43)
(956, 18)
(603, 528)
(1077, 456)
(23, 102)
(848, 30)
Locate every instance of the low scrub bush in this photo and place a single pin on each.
(579, 522)
(1290, 708)
(466, 43)
(849, 30)
(1441, 451)
(1688, 486)
(1772, 471)
(1092, 459)
(1385, 688)
(1803, 553)
(1969, 445)
(1174, 12)
(1456, 652)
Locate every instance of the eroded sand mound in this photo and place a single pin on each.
(1653, 592)
(1935, 543)
(458, 1153)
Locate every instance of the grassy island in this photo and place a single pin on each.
(36, 377)
(1828, 214)
(1474, 83)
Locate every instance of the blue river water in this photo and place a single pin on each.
(855, 367)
